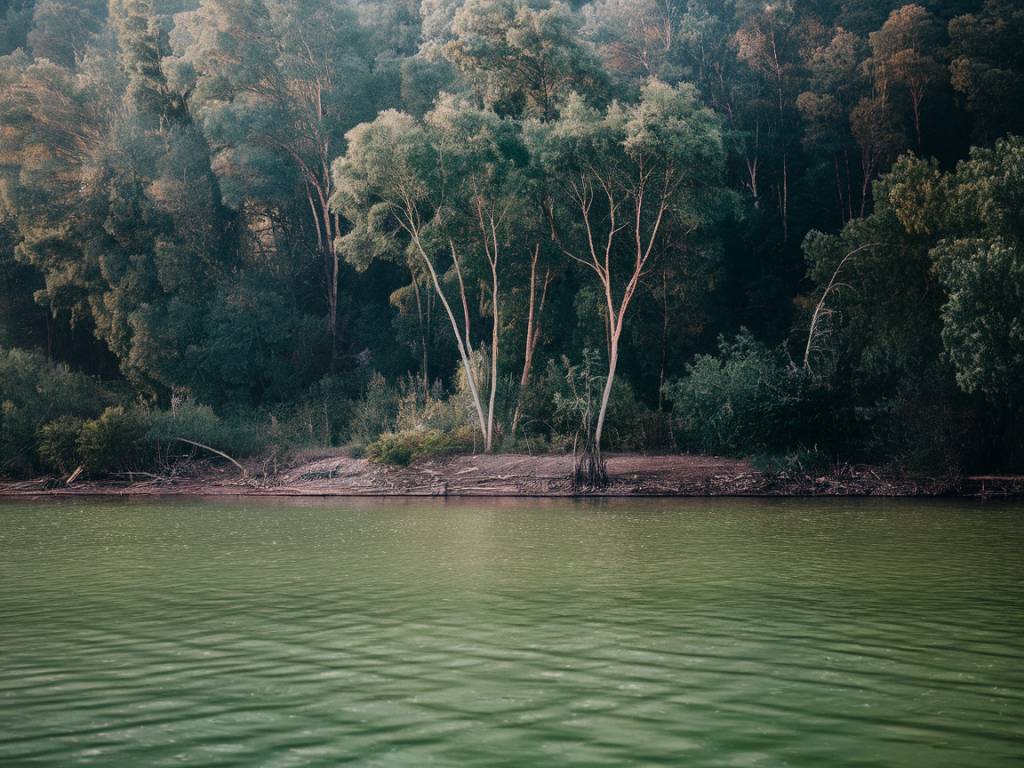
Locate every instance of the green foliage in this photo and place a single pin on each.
(577, 397)
(33, 392)
(377, 411)
(931, 289)
(58, 443)
(191, 202)
(237, 437)
(522, 58)
(403, 448)
(114, 442)
(988, 66)
(925, 426)
(980, 262)
(744, 400)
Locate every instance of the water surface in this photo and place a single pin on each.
(517, 633)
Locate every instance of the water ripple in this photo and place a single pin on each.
(697, 633)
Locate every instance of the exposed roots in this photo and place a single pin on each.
(590, 472)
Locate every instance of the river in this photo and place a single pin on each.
(714, 632)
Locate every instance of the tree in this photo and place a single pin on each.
(15, 24)
(275, 85)
(834, 87)
(876, 275)
(446, 190)
(904, 56)
(63, 29)
(980, 262)
(117, 207)
(519, 58)
(988, 66)
(769, 43)
(634, 179)
(636, 39)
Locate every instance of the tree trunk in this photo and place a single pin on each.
(664, 340)
(606, 393)
(532, 333)
(424, 330)
(495, 334)
(464, 352)
(333, 302)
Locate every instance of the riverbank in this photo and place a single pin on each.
(521, 475)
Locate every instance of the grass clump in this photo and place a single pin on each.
(403, 448)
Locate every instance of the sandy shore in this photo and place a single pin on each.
(521, 475)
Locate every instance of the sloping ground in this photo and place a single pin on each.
(519, 475)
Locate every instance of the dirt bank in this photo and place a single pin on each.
(519, 475)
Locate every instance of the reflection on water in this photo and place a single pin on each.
(525, 633)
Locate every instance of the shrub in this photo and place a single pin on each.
(58, 443)
(376, 413)
(923, 429)
(575, 398)
(115, 441)
(418, 410)
(329, 402)
(631, 425)
(745, 400)
(187, 419)
(403, 448)
(33, 392)
(566, 398)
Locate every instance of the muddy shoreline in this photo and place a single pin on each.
(503, 475)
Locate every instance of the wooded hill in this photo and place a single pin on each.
(416, 227)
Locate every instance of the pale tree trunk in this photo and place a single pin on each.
(333, 300)
(464, 351)
(606, 393)
(495, 333)
(489, 231)
(532, 333)
(821, 310)
(601, 264)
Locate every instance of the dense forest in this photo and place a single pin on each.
(792, 229)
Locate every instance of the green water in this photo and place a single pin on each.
(525, 633)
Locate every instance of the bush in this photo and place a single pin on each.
(33, 392)
(190, 420)
(632, 426)
(924, 429)
(746, 400)
(403, 448)
(329, 402)
(58, 443)
(376, 413)
(432, 411)
(116, 441)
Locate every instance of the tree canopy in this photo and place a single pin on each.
(258, 205)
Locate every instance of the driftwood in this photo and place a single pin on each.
(74, 475)
(212, 450)
(131, 475)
